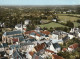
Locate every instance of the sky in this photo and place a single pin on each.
(39, 2)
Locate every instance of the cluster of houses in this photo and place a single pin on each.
(35, 44)
(2, 24)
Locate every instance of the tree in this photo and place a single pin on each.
(78, 20)
(51, 29)
(65, 55)
(70, 24)
(45, 28)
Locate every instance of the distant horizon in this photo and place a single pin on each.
(39, 5)
(38, 2)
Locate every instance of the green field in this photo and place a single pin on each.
(64, 18)
(52, 24)
(76, 24)
(68, 17)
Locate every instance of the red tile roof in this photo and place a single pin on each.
(33, 31)
(15, 39)
(49, 51)
(38, 35)
(31, 37)
(74, 46)
(40, 47)
(36, 57)
(54, 56)
(45, 32)
(31, 53)
(64, 49)
(28, 32)
(42, 31)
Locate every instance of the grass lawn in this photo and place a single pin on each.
(76, 24)
(66, 17)
(69, 14)
(52, 24)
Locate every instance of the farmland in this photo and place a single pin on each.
(68, 17)
(52, 24)
(64, 18)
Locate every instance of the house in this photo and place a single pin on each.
(21, 27)
(2, 24)
(59, 34)
(29, 55)
(55, 36)
(45, 34)
(27, 46)
(8, 36)
(18, 27)
(26, 22)
(37, 29)
(15, 40)
(16, 55)
(64, 49)
(24, 28)
(14, 46)
(33, 34)
(40, 47)
(5, 45)
(72, 30)
(37, 57)
(64, 12)
(1, 48)
(54, 56)
(38, 37)
(49, 52)
(60, 41)
(71, 36)
(46, 37)
(31, 40)
(54, 47)
(65, 38)
(73, 47)
(27, 33)
(9, 51)
(75, 32)
(2, 53)
(54, 20)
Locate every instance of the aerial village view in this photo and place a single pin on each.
(39, 29)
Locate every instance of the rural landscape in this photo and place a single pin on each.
(40, 32)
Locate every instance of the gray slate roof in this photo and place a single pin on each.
(56, 45)
(12, 33)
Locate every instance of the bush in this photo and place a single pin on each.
(70, 24)
(63, 29)
(78, 20)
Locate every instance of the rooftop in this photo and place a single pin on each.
(54, 56)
